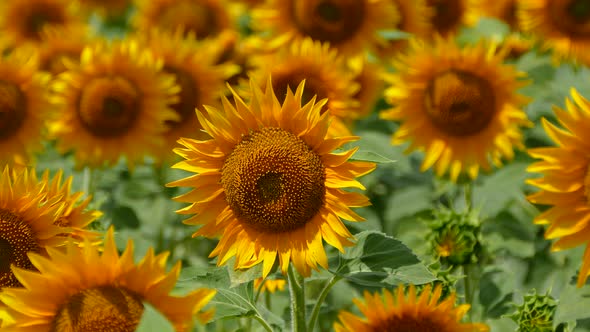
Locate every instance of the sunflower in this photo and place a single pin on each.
(449, 16)
(504, 10)
(270, 285)
(24, 107)
(351, 26)
(324, 73)
(457, 104)
(28, 221)
(203, 18)
(115, 103)
(106, 8)
(563, 26)
(396, 311)
(268, 182)
(368, 75)
(88, 289)
(58, 46)
(200, 80)
(565, 184)
(74, 213)
(23, 21)
(415, 19)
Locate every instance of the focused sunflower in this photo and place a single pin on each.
(268, 182)
(460, 105)
(115, 104)
(23, 21)
(28, 221)
(89, 289)
(351, 26)
(203, 18)
(449, 16)
(24, 107)
(504, 10)
(563, 26)
(400, 312)
(324, 73)
(58, 46)
(415, 19)
(200, 79)
(565, 185)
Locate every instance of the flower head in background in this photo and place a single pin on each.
(504, 10)
(324, 73)
(268, 182)
(565, 185)
(562, 26)
(270, 285)
(81, 288)
(24, 107)
(201, 18)
(23, 21)
(61, 48)
(449, 16)
(201, 82)
(459, 105)
(114, 103)
(412, 312)
(414, 19)
(351, 26)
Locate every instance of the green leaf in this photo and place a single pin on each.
(508, 180)
(573, 304)
(378, 260)
(372, 157)
(153, 321)
(125, 217)
(394, 34)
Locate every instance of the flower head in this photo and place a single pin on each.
(269, 183)
(460, 105)
(87, 289)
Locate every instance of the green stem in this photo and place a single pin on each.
(87, 182)
(468, 188)
(297, 292)
(263, 323)
(468, 290)
(316, 309)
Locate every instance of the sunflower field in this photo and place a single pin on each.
(294, 165)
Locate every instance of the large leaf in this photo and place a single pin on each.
(378, 260)
(153, 321)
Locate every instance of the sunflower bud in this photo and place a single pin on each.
(536, 313)
(455, 237)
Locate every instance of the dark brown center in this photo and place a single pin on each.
(36, 17)
(290, 77)
(100, 309)
(108, 106)
(194, 16)
(333, 21)
(17, 238)
(447, 15)
(13, 109)
(188, 97)
(273, 181)
(460, 103)
(571, 17)
(407, 323)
